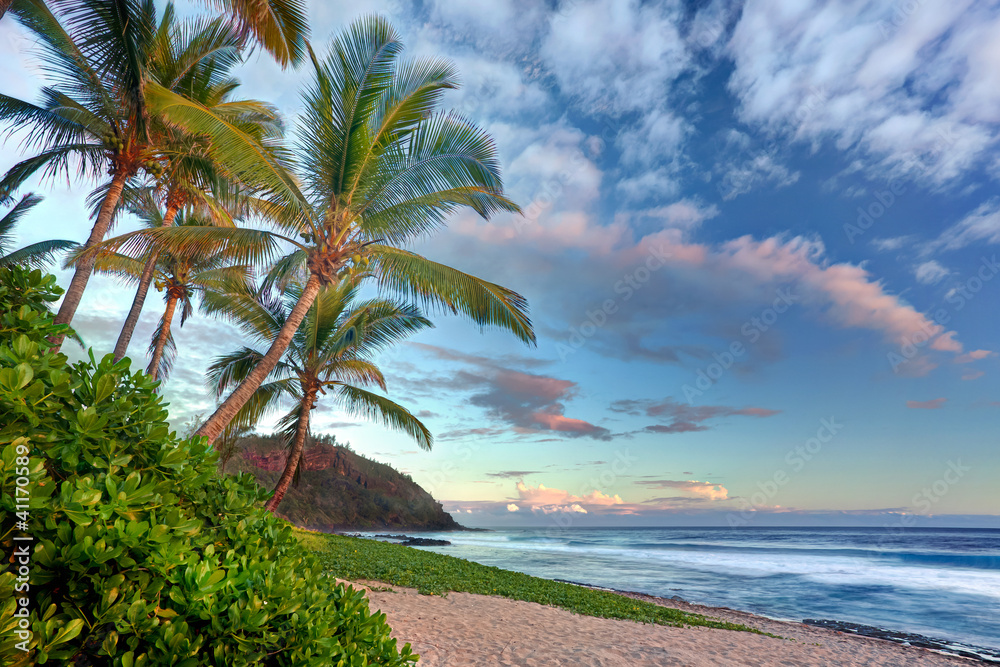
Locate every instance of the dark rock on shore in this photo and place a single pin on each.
(425, 542)
(408, 541)
(910, 639)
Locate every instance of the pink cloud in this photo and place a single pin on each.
(972, 375)
(846, 293)
(757, 412)
(974, 355)
(545, 388)
(560, 423)
(705, 490)
(548, 500)
(932, 404)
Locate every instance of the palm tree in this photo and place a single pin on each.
(96, 51)
(179, 276)
(332, 350)
(35, 254)
(194, 59)
(377, 165)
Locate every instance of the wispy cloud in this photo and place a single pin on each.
(678, 417)
(933, 404)
(525, 402)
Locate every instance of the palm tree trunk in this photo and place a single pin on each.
(236, 400)
(295, 453)
(128, 328)
(161, 340)
(86, 265)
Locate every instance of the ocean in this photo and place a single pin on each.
(940, 583)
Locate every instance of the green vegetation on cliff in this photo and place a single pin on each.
(340, 489)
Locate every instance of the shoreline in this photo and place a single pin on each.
(899, 637)
(768, 624)
(474, 629)
(458, 612)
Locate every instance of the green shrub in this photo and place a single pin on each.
(141, 554)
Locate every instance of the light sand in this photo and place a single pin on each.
(466, 629)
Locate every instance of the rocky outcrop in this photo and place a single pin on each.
(340, 489)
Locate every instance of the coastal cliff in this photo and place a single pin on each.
(339, 489)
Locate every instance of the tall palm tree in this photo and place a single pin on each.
(376, 166)
(332, 350)
(180, 277)
(35, 254)
(96, 53)
(194, 58)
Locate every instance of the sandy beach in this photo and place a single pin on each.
(466, 629)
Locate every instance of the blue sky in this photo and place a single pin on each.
(759, 244)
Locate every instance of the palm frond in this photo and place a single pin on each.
(262, 167)
(240, 245)
(11, 218)
(63, 58)
(43, 126)
(279, 26)
(449, 162)
(263, 402)
(37, 254)
(348, 87)
(413, 96)
(355, 372)
(258, 314)
(52, 163)
(228, 370)
(378, 408)
(433, 285)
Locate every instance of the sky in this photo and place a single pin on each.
(759, 243)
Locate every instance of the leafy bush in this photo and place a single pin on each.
(141, 554)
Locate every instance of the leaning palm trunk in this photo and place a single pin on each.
(295, 454)
(86, 265)
(212, 428)
(128, 328)
(161, 340)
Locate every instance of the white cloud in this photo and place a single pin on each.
(616, 57)
(511, 507)
(913, 93)
(930, 272)
(685, 214)
(982, 224)
(761, 169)
(891, 244)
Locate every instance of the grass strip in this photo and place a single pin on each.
(436, 574)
